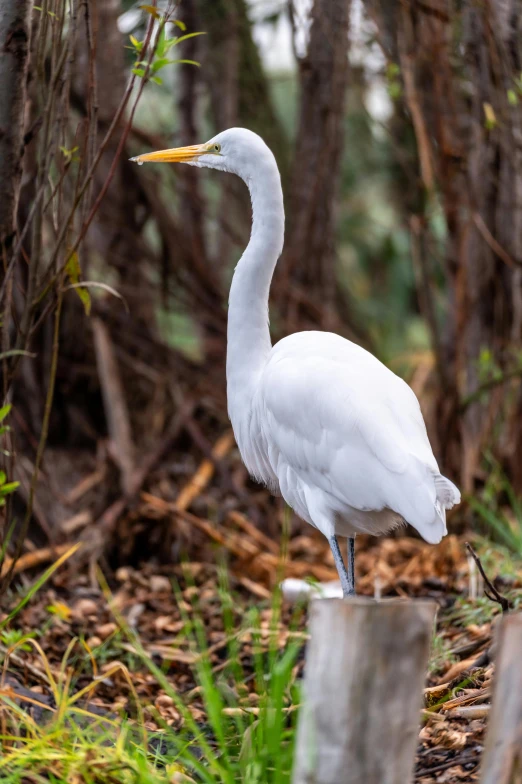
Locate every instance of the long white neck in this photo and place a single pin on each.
(248, 343)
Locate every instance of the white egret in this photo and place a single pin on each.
(316, 417)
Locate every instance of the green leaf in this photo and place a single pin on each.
(186, 62)
(160, 63)
(73, 268)
(175, 41)
(69, 154)
(162, 42)
(485, 354)
(2, 477)
(394, 90)
(61, 610)
(4, 411)
(150, 9)
(66, 151)
(512, 97)
(138, 45)
(10, 487)
(40, 9)
(157, 65)
(85, 297)
(73, 271)
(179, 23)
(138, 71)
(156, 79)
(490, 118)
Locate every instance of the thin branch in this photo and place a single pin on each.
(493, 594)
(495, 246)
(115, 161)
(90, 173)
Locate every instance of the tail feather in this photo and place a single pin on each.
(447, 493)
(432, 524)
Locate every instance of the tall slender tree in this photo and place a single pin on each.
(323, 78)
(460, 70)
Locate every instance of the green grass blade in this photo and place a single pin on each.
(499, 524)
(35, 587)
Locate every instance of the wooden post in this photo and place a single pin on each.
(502, 760)
(365, 670)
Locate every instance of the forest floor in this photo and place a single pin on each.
(158, 672)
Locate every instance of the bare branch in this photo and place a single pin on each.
(493, 594)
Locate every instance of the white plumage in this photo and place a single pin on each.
(344, 439)
(316, 417)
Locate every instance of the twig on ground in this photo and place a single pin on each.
(243, 547)
(249, 528)
(205, 471)
(452, 763)
(26, 665)
(493, 594)
(32, 559)
(470, 712)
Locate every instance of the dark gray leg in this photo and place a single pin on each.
(346, 582)
(351, 562)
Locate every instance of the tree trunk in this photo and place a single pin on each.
(15, 28)
(192, 204)
(459, 73)
(199, 264)
(220, 50)
(239, 95)
(310, 256)
(238, 87)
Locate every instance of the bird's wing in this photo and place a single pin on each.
(343, 422)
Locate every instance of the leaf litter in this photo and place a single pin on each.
(210, 614)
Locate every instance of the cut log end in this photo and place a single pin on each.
(364, 676)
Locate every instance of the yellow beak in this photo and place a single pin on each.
(177, 155)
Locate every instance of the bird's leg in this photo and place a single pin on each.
(346, 583)
(351, 562)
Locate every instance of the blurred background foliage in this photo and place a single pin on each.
(396, 129)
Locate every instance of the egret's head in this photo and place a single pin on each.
(236, 150)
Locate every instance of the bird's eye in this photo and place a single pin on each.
(216, 147)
